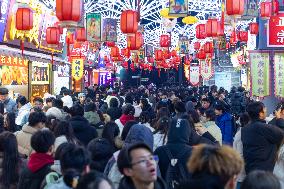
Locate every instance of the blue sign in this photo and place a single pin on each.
(5, 4)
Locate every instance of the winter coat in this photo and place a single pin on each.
(23, 114)
(127, 183)
(24, 140)
(82, 129)
(148, 108)
(279, 166)
(122, 121)
(10, 105)
(92, 117)
(67, 101)
(238, 146)
(260, 145)
(60, 184)
(214, 130)
(178, 141)
(238, 103)
(277, 122)
(57, 113)
(114, 113)
(224, 122)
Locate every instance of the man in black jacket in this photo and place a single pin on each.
(278, 120)
(260, 140)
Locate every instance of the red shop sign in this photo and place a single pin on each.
(275, 31)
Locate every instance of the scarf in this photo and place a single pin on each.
(39, 160)
(125, 118)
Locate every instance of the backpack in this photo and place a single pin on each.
(176, 172)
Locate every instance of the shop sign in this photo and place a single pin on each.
(206, 69)
(13, 61)
(194, 74)
(77, 68)
(279, 74)
(3, 17)
(275, 31)
(40, 73)
(260, 74)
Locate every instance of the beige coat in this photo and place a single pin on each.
(214, 130)
(24, 140)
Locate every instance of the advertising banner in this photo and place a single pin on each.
(93, 27)
(279, 75)
(194, 75)
(77, 68)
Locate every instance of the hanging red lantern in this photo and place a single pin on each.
(201, 54)
(69, 12)
(243, 36)
(253, 28)
(166, 54)
(164, 40)
(220, 30)
(235, 7)
(266, 9)
(208, 47)
(150, 60)
(159, 55)
(24, 19)
(135, 42)
(125, 52)
(211, 27)
(129, 22)
(81, 34)
(233, 38)
(177, 60)
(52, 36)
(196, 46)
(174, 53)
(58, 27)
(115, 51)
(200, 31)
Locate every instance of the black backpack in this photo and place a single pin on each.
(176, 172)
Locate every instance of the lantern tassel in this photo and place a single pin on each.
(22, 47)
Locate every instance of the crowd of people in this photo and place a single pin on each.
(113, 137)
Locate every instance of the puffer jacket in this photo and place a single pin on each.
(225, 123)
(92, 117)
(214, 130)
(23, 114)
(24, 140)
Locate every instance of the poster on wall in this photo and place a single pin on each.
(13, 75)
(183, 44)
(223, 80)
(279, 74)
(149, 50)
(40, 73)
(93, 27)
(260, 73)
(206, 68)
(194, 75)
(178, 8)
(251, 9)
(77, 68)
(109, 29)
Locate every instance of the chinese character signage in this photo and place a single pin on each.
(206, 69)
(194, 75)
(275, 31)
(109, 27)
(260, 74)
(77, 68)
(178, 8)
(279, 74)
(40, 73)
(93, 25)
(13, 61)
(3, 17)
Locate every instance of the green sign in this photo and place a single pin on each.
(279, 73)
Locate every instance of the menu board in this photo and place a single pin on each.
(40, 73)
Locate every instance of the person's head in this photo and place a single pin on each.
(210, 115)
(205, 103)
(90, 107)
(244, 119)
(9, 122)
(144, 117)
(42, 141)
(261, 180)
(128, 99)
(164, 111)
(256, 110)
(21, 101)
(179, 107)
(94, 180)
(126, 129)
(75, 157)
(77, 110)
(222, 162)
(138, 163)
(10, 162)
(66, 92)
(63, 128)
(58, 103)
(48, 101)
(219, 109)
(128, 109)
(113, 102)
(280, 107)
(82, 97)
(194, 116)
(110, 132)
(37, 120)
(3, 94)
(144, 102)
(38, 102)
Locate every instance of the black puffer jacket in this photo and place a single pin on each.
(127, 183)
(238, 103)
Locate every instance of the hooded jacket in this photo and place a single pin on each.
(82, 129)
(127, 183)
(92, 117)
(23, 114)
(224, 122)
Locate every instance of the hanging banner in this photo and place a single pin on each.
(77, 68)
(178, 8)
(93, 27)
(206, 69)
(251, 9)
(141, 56)
(194, 75)
(149, 50)
(5, 4)
(183, 45)
(260, 73)
(275, 31)
(279, 74)
(109, 32)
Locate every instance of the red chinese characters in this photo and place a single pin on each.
(275, 31)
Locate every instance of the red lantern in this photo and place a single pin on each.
(243, 36)
(220, 30)
(208, 47)
(201, 54)
(125, 65)
(200, 31)
(114, 52)
(125, 52)
(233, 38)
(81, 35)
(24, 19)
(52, 36)
(58, 27)
(174, 53)
(266, 9)
(253, 28)
(228, 45)
(167, 54)
(129, 22)
(211, 27)
(235, 7)
(135, 42)
(110, 43)
(69, 12)
(177, 60)
(165, 41)
(159, 55)
(196, 46)
(150, 60)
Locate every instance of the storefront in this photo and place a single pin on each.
(101, 77)
(61, 77)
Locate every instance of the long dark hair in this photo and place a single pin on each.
(11, 160)
(64, 128)
(110, 131)
(10, 119)
(162, 126)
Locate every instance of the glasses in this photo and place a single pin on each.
(144, 162)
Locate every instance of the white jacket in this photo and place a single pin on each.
(23, 114)
(158, 140)
(67, 101)
(279, 167)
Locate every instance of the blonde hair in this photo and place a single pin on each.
(223, 161)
